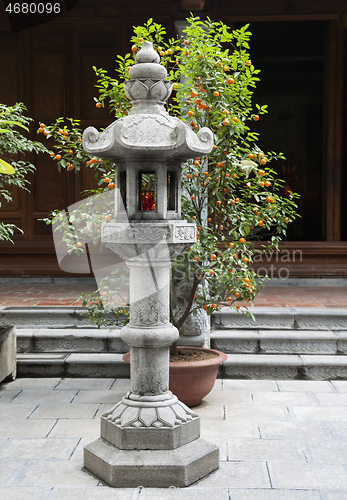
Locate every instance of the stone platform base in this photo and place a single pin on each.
(151, 468)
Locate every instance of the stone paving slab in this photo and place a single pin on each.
(101, 396)
(258, 412)
(291, 475)
(229, 428)
(238, 475)
(261, 450)
(308, 385)
(28, 428)
(44, 396)
(85, 383)
(45, 448)
(68, 427)
(31, 383)
(278, 398)
(54, 473)
(290, 430)
(9, 470)
(274, 494)
(99, 493)
(19, 410)
(251, 385)
(12, 493)
(81, 410)
(320, 413)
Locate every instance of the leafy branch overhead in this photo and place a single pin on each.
(14, 147)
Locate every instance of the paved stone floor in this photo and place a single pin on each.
(285, 439)
(271, 296)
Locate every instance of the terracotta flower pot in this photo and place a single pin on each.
(191, 381)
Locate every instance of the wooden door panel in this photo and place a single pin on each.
(49, 77)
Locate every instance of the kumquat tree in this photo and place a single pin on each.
(234, 196)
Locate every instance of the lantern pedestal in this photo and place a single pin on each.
(151, 468)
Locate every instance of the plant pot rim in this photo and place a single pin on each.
(205, 362)
(177, 364)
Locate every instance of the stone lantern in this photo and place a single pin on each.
(149, 438)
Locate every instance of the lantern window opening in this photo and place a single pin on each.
(147, 191)
(171, 191)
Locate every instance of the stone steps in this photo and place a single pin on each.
(282, 318)
(280, 342)
(108, 365)
(284, 367)
(266, 318)
(284, 343)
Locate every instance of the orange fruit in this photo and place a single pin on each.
(235, 119)
(111, 185)
(58, 157)
(219, 202)
(256, 118)
(219, 164)
(192, 197)
(225, 68)
(234, 176)
(211, 271)
(237, 199)
(214, 146)
(70, 151)
(261, 184)
(133, 48)
(206, 173)
(269, 199)
(238, 306)
(245, 260)
(169, 51)
(213, 256)
(231, 244)
(196, 162)
(261, 172)
(225, 122)
(251, 156)
(242, 240)
(51, 154)
(107, 180)
(71, 167)
(78, 245)
(196, 258)
(263, 161)
(209, 219)
(247, 280)
(229, 299)
(267, 183)
(216, 93)
(237, 294)
(231, 202)
(45, 132)
(249, 63)
(189, 176)
(190, 113)
(214, 306)
(261, 223)
(107, 217)
(185, 42)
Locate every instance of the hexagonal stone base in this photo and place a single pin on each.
(151, 468)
